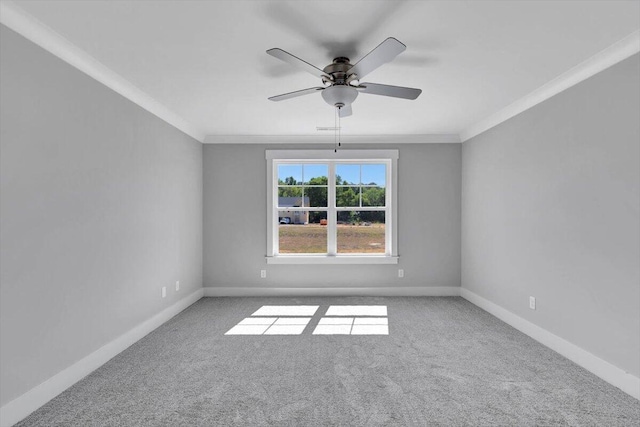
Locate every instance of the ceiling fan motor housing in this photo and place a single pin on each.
(339, 95)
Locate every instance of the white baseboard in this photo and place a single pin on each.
(389, 291)
(24, 405)
(625, 381)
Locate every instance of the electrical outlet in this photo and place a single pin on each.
(401, 273)
(532, 303)
(164, 291)
(263, 274)
(178, 285)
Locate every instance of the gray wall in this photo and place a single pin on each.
(550, 209)
(101, 205)
(235, 225)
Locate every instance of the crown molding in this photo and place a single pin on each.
(31, 28)
(328, 138)
(604, 59)
(34, 30)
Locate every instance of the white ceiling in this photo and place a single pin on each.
(205, 61)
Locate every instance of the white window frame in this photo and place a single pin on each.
(388, 157)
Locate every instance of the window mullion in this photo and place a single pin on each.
(275, 223)
(390, 203)
(332, 216)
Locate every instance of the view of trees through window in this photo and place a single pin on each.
(303, 205)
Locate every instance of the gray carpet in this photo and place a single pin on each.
(444, 362)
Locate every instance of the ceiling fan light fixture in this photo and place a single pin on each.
(339, 94)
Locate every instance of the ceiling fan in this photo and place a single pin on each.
(339, 77)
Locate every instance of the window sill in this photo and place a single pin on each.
(324, 259)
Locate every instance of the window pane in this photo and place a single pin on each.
(310, 238)
(363, 232)
(293, 216)
(315, 196)
(348, 196)
(373, 196)
(374, 174)
(315, 174)
(289, 197)
(289, 174)
(318, 217)
(347, 174)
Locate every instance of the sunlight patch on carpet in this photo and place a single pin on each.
(338, 320)
(286, 310)
(357, 310)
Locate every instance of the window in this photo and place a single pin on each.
(326, 207)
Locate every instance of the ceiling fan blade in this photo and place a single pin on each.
(385, 52)
(387, 90)
(295, 61)
(295, 94)
(345, 111)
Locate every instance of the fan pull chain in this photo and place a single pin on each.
(339, 129)
(335, 132)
